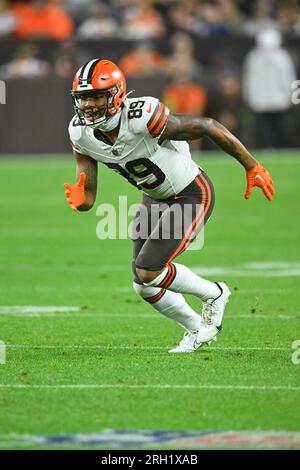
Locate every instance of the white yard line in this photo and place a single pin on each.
(142, 316)
(238, 273)
(252, 269)
(264, 388)
(135, 348)
(40, 309)
(61, 311)
(124, 289)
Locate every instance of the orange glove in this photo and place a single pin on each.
(75, 194)
(259, 176)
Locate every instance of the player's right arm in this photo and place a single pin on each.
(82, 195)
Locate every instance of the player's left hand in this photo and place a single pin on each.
(75, 193)
(260, 177)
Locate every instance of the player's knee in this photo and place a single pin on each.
(144, 291)
(146, 276)
(139, 288)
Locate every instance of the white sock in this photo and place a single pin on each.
(179, 278)
(170, 304)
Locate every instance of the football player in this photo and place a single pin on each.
(144, 143)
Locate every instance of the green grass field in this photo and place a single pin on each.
(107, 366)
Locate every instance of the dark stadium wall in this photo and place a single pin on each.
(37, 114)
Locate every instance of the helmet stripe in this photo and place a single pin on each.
(82, 70)
(79, 72)
(87, 70)
(91, 70)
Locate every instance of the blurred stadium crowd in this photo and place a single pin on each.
(234, 60)
(136, 19)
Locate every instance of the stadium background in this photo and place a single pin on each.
(197, 47)
(69, 375)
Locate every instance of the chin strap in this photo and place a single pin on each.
(129, 93)
(110, 123)
(113, 121)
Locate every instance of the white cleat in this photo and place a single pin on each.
(212, 315)
(188, 344)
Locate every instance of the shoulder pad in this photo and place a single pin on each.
(146, 115)
(75, 129)
(75, 133)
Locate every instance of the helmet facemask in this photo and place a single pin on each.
(99, 76)
(94, 122)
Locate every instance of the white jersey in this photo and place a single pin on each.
(158, 170)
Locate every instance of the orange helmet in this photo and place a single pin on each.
(96, 76)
